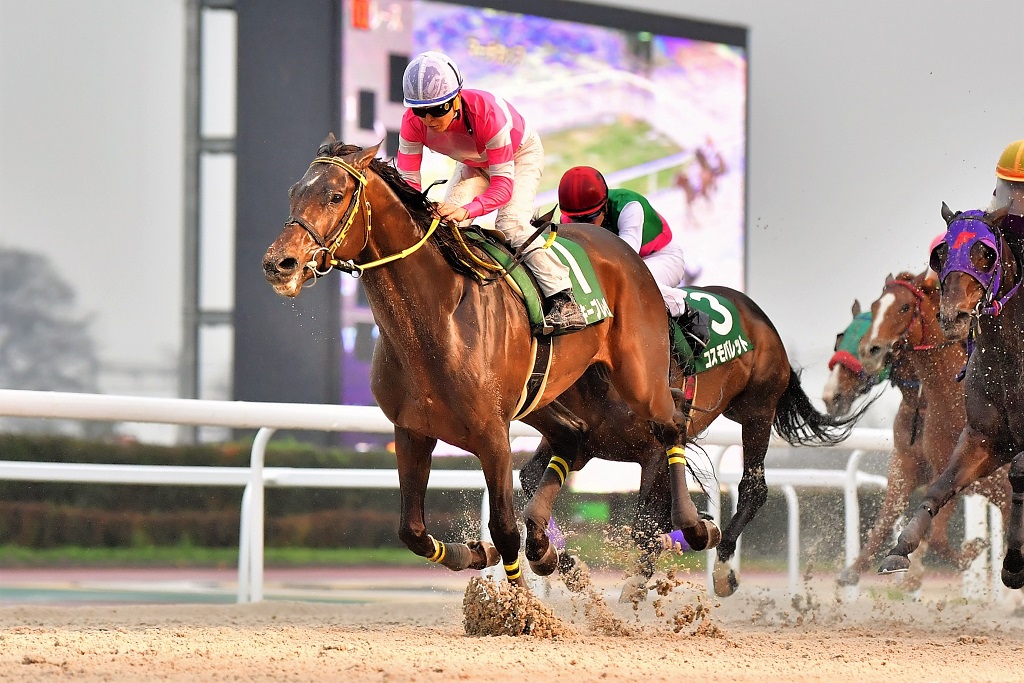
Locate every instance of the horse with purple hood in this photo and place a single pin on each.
(981, 267)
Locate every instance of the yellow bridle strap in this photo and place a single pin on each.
(401, 254)
(512, 571)
(358, 175)
(559, 467)
(335, 161)
(676, 455)
(439, 551)
(550, 240)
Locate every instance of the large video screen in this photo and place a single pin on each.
(657, 104)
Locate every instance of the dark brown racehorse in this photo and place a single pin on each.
(758, 390)
(980, 271)
(905, 335)
(453, 355)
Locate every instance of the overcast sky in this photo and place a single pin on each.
(864, 117)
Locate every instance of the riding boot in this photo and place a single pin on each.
(564, 314)
(696, 326)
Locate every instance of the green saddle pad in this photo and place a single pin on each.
(585, 286)
(728, 341)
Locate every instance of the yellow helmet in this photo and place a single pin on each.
(1011, 162)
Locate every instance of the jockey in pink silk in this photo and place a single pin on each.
(499, 161)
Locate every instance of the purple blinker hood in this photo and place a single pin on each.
(963, 231)
(966, 228)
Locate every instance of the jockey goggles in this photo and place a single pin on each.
(586, 217)
(437, 111)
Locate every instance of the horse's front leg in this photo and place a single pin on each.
(1013, 561)
(414, 454)
(495, 456)
(972, 459)
(542, 479)
(897, 494)
(652, 518)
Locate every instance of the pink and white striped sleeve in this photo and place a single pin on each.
(411, 137)
(495, 128)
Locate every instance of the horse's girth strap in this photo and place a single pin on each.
(533, 389)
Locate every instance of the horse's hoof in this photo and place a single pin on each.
(547, 563)
(848, 577)
(574, 572)
(724, 579)
(484, 554)
(894, 564)
(634, 590)
(1013, 580)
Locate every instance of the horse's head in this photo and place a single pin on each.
(847, 380)
(969, 261)
(897, 316)
(328, 222)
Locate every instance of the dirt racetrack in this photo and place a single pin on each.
(760, 634)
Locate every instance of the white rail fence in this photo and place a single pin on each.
(721, 441)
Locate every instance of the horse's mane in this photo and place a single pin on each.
(421, 209)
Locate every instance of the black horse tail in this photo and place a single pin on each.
(800, 424)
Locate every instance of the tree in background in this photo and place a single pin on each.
(44, 344)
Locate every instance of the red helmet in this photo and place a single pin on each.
(581, 191)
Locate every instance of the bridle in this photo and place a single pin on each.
(329, 243)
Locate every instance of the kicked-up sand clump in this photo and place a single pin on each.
(503, 609)
(693, 618)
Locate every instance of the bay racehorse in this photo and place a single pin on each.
(758, 389)
(980, 271)
(905, 331)
(453, 355)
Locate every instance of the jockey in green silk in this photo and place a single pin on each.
(584, 197)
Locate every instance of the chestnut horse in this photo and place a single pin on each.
(454, 355)
(907, 341)
(905, 329)
(758, 389)
(980, 272)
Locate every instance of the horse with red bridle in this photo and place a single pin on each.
(453, 355)
(905, 331)
(980, 273)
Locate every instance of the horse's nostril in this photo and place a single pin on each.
(286, 265)
(875, 350)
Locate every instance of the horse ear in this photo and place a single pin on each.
(329, 140)
(362, 158)
(546, 218)
(889, 278)
(931, 281)
(856, 308)
(947, 213)
(997, 216)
